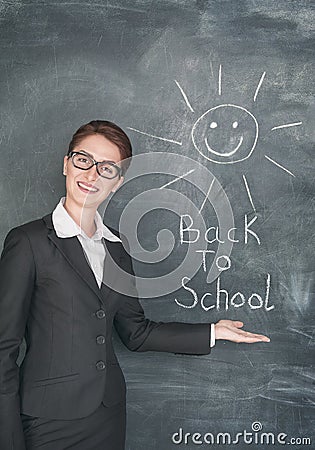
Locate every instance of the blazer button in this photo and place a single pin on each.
(100, 365)
(100, 313)
(100, 339)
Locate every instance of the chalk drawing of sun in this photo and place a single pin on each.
(226, 133)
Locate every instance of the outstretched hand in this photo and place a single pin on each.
(230, 331)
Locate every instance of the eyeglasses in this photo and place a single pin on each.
(106, 169)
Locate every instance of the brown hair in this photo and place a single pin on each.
(110, 131)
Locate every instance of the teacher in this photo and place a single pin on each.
(70, 392)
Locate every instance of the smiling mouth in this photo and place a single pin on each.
(224, 154)
(87, 188)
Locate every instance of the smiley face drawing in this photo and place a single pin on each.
(225, 134)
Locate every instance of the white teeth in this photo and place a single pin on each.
(87, 187)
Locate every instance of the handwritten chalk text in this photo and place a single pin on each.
(224, 300)
(213, 234)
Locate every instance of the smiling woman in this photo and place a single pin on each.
(93, 168)
(70, 391)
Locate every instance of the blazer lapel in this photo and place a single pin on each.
(72, 250)
(112, 258)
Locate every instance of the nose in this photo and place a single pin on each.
(91, 174)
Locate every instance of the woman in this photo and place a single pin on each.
(69, 392)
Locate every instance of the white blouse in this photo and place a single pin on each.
(93, 247)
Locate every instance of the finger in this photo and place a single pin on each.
(249, 340)
(238, 323)
(260, 337)
(254, 335)
(248, 333)
(264, 338)
(257, 337)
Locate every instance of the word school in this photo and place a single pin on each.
(221, 299)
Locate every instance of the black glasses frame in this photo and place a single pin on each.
(95, 163)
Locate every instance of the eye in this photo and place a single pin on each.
(235, 124)
(107, 168)
(213, 125)
(82, 159)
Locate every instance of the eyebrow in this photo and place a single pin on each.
(92, 156)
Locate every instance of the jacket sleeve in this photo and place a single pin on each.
(17, 278)
(140, 334)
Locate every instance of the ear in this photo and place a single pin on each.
(65, 163)
(118, 184)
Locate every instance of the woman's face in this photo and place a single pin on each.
(101, 149)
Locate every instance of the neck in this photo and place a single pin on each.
(84, 217)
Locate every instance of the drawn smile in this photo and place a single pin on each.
(224, 154)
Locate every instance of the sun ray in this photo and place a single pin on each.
(287, 125)
(205, 199)
(248, 193)
(220, 79)
(178, 178)
(155, 137)
(279, 165)
(184, 96)
(259, 85)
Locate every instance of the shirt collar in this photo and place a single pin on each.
(65, 226)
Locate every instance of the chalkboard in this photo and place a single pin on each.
(216, 97)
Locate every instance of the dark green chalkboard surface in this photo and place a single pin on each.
(217, 99)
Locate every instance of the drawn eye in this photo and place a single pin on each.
(213, 125)
(235, 124)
